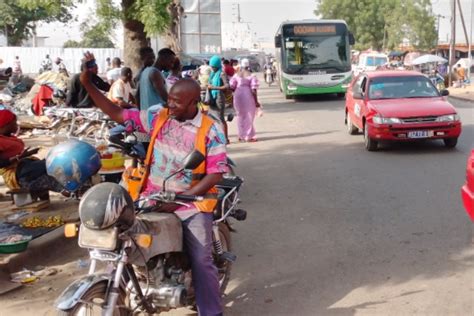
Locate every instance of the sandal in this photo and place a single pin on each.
(252, 140)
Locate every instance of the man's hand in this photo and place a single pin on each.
(86, 74)
(167, 208)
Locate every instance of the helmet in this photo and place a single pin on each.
(106, 204)
(72, 163)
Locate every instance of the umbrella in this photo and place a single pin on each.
(428, 59)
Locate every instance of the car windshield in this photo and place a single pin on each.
(401, 87)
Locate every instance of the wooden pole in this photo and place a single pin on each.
(452, 43)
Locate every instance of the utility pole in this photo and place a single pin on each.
(452, 43)
(439, 16)
(470, 49)
(462, 20)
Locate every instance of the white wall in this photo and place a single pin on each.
(31, 57)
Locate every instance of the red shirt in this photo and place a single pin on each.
(10, 146)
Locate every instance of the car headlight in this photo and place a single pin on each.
(386, 120)
(448, 118)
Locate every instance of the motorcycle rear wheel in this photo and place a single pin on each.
(91, 301)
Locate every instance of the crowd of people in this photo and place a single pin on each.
(225, 84)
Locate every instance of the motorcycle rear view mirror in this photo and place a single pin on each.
(193, 160)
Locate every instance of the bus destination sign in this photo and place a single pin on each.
(308, 29)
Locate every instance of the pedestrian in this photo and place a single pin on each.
(175, 74)
(120, 92)
(114, 73)
(245, 85)
(61, 66)
(228, 69)
(108, 64)
(181, 126)
(46, 64)
(215, 96)
(204, 71)
(147, 58)
(18, 167)
(77, 96)
(153, 93)
(461, 74)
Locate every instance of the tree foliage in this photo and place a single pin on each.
(381, 24)
(92, 37)
(18, 17)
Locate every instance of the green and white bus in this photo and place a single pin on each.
(313, 57)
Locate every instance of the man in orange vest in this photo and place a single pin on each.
(178, 130)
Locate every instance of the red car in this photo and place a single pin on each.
(467, 190)
(399, 106)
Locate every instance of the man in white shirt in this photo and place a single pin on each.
(120, 92)
(114, 73)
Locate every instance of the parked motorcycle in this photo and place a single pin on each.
(165, 282)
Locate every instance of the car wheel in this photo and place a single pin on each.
(370, 144)
(351, 129)
(450, 142)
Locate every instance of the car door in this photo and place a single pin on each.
(357, 104)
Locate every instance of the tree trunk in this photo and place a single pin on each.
(134, 38)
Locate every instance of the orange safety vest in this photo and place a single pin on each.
(135, 188)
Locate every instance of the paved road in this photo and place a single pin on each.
(336, 230)
(332, 228)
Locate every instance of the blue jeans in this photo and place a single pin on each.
(197, 238)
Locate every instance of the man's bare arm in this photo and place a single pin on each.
(159, 84)
(100, 100)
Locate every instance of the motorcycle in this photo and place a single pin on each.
(166, 282)
(269, 76)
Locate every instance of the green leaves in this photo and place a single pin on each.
(385, 24)
(153, 14)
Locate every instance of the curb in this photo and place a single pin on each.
(40, 251)
(461, 99)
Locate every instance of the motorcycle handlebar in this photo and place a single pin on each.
(191, 198)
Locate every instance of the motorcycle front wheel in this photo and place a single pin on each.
(223, 266)
(92, 300)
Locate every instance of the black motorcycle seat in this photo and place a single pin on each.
(229, 183)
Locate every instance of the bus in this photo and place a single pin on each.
(313, 57)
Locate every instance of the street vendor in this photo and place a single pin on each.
(18, 167)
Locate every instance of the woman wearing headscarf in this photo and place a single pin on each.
(218, 84)
(17, 166)
(245, 86)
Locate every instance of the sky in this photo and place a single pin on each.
(263, 16)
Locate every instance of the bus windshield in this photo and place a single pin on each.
(306, 54)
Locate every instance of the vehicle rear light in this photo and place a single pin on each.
(402, 135)
(440, 133)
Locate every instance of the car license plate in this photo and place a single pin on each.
(420, 134)
(98, 239)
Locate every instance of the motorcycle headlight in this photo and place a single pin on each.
(448, 118)
(386, 120)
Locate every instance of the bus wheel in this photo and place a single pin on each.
(288, 97)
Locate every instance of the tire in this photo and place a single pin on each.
(224, 267)
(341, 95)
(288, 97)
(370, 144)
(450, 142)
(95, 294)
(351, 129)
